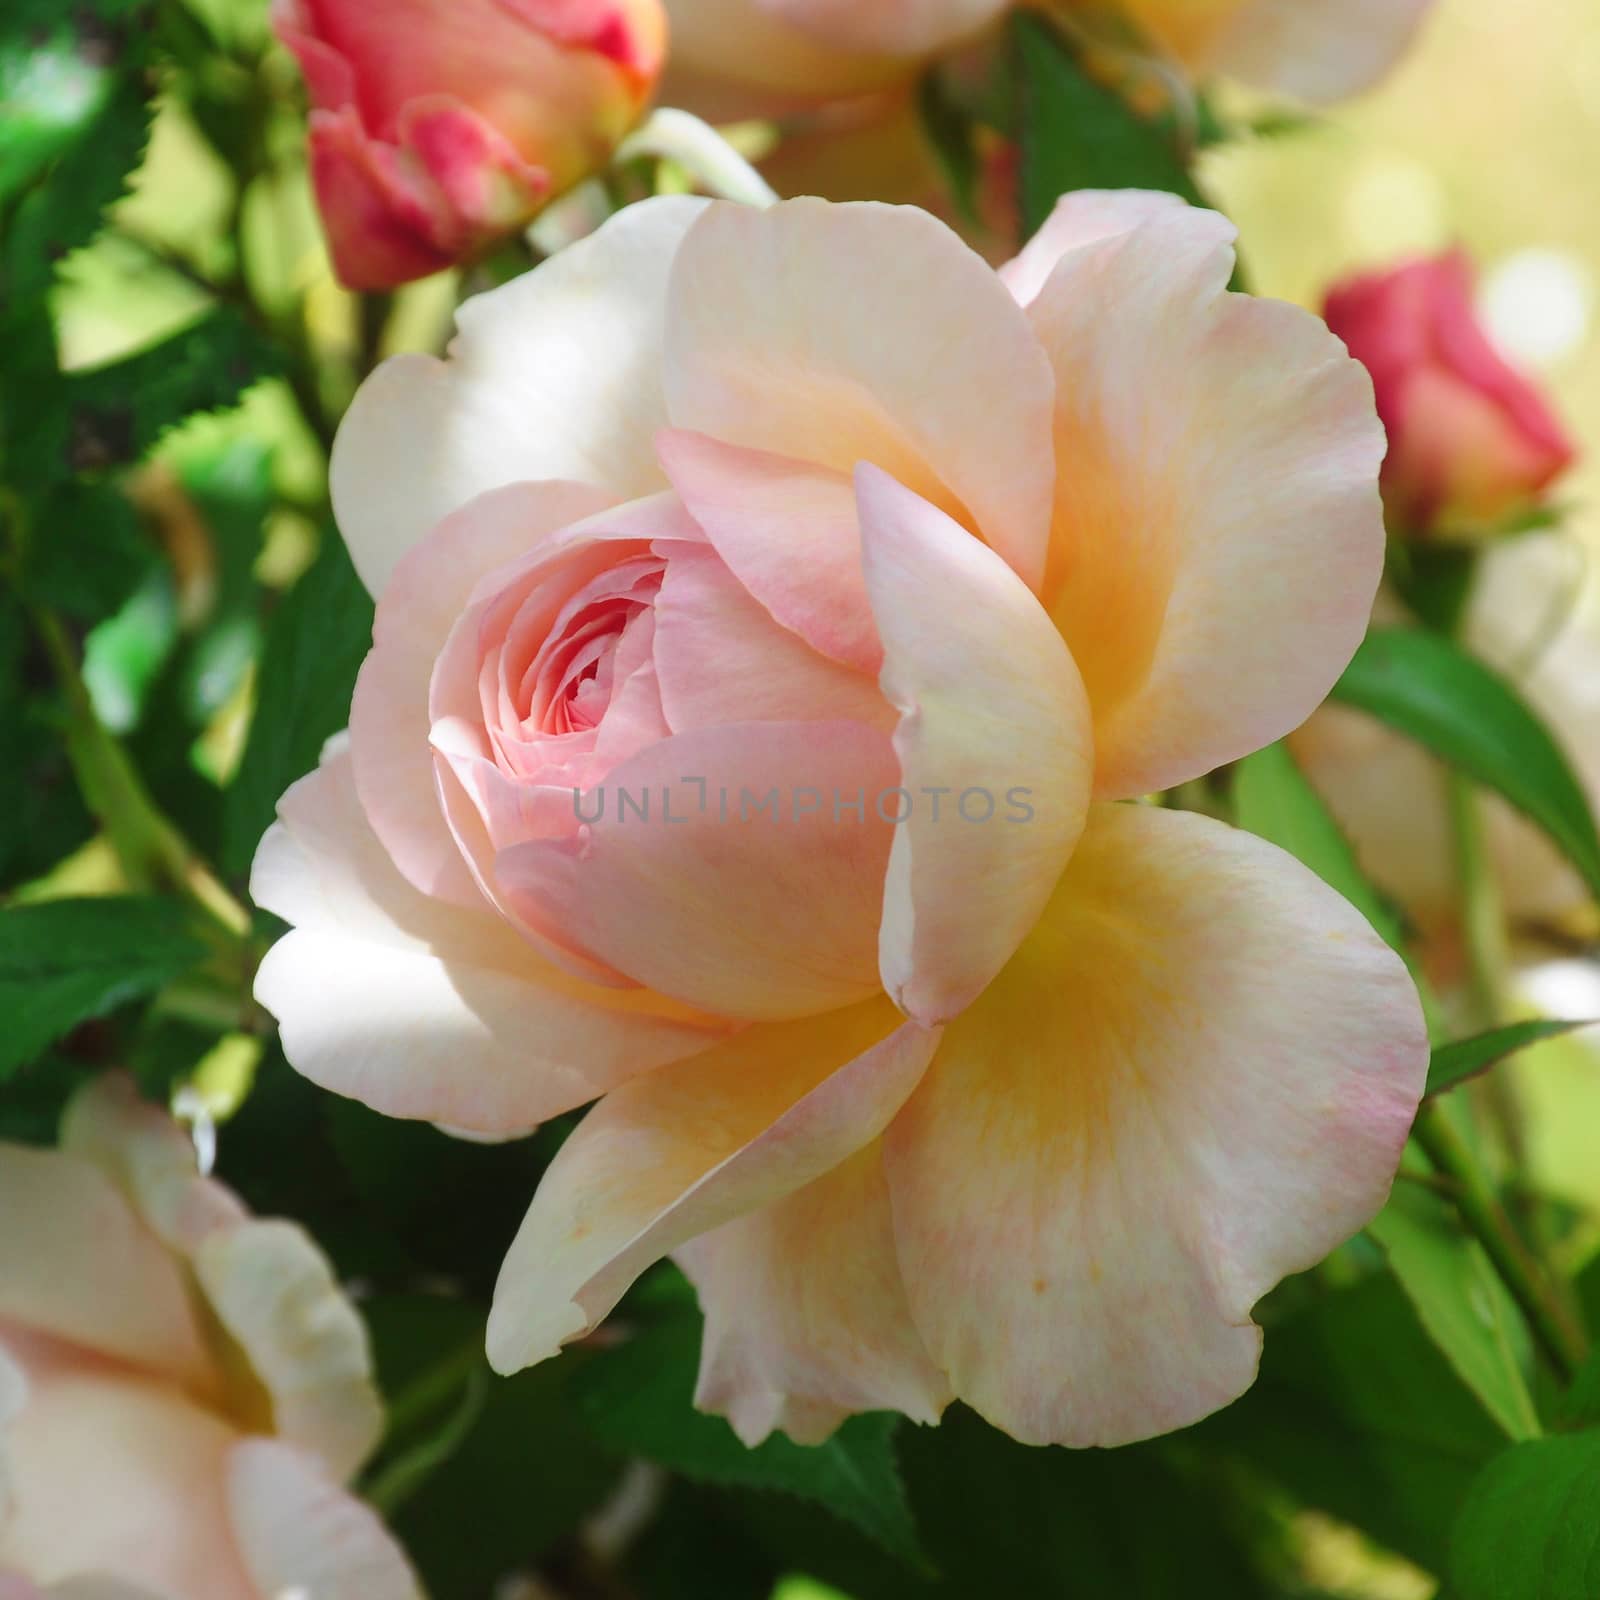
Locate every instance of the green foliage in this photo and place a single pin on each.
(315, 644)
(66, 962)
(1530, 1527)
(639, 1399)
(1434, 692)
(1076, 133)
(1455, 1063)
(1461, 1303)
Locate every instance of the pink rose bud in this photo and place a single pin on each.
(440, 125)
(1471, 441)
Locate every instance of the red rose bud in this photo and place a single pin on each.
(439, 126)
(1471, 441)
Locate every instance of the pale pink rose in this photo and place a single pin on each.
(1025, 1100)
(791, 51)
(438, 126)
(1471, 441)
(183, 1387)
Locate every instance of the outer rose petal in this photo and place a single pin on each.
(389, 716)
(887, 27)
(760, 913)
(119, 1474)
(787, 529)
(1081, 217)
(1195, 1077)
(301, 1534)
(990, 703)
(77, 1263)
(1218, 537)
(806, 1314)
(555, 375)
(422, 1009)
(680, 1151)
(1317, 50)
(779, 339)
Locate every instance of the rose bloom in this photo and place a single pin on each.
(1471, 441)
(784, 524)
(438, 126)
(1533, 619)
(183, 1387)
(807, 50)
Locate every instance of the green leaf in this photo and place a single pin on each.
(66, 209)
(87, 552)
(1465, 1058)
(1580, 1407)
(51, 90)
(1076, 133)
(1357, 1413)
(119, 410)
(1273, 799)
(314, 647)
(1434, 692)
(1461, 1301)
(639, 1401)
(65, 962)
(1530, 1528)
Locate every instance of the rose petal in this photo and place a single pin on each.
(685, 1149)
(389, 716)
(1194, 1078)
(806, 1314)
(300, 1533)
(423, 1009)
(1218, 536)
(788, 531)
(752, 890)
(555, 375)
(845, 333)
(124, 1295)
(722, 658)
(1081, 217)
(991, 706)
(1317, 50)
(898, 28)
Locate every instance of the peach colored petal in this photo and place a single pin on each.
(301, 1534)
(555, 375)
(1218, 536)
(389, 716)
(992, 719)
(845, 333)
(1081, 217)
(806, 1314)
(887, 27)
(423, 1009)
(13, 1396)
(684, 1149)
(275, 1294)
(788, 531)
(752, 890)
(76, 1262)
(721, 657)
(118, 1474)
(1317, 50)
(1194, 1078)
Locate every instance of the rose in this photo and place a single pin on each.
(1533, 620)
(808, 503)
(1316, 50)
(1471, 442)
(183, 1387)
(441, 125)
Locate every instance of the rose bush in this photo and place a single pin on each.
(183, 1387)
(1471, 441)
(722, 540)
(437, 128)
